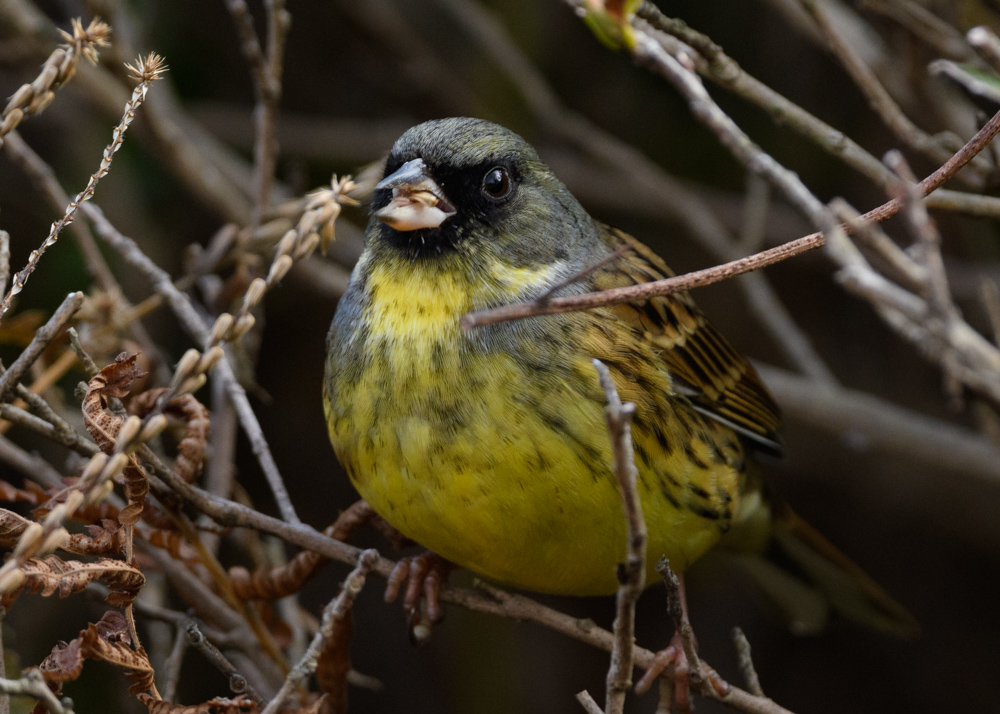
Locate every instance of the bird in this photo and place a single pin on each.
(488, 446)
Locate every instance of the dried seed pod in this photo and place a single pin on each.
(193, 384)
(54, 540)
(186, 366)
(128, 433)
(11, 581)
(154, 426)
(254, 293)
(242, 326)
(28, 539)
(210, 359)
(220, 330)
(279, 269)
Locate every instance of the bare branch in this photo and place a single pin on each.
(632, 573)
(708, 276)
(336, 610)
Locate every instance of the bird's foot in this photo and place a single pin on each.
(674, 658)
(423, 575)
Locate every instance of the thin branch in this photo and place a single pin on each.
(879, 99)
(338, 609)
(640, 177)
(147, 71)
(33, 684)
(588, 703)
(746, 662)
(486, 599)
(266, 112)
(199, 331)
(708, 276)
(43, 336)
(4, 259)
(172, 666)
(632, 573)
(238, 683)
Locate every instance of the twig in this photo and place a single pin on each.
(58, 69)
(726, 270)
(879, 99)
(43, 336)
(238, 684)
(339, 608)
(86, 359)
(4, 698)
(4, 259)
(486, 599)
(588, 703)
(172, 666)
(265, 71)
(642, 177)
(870, 235)
(581, 275)
(249, 42)
(33, 684)
(632, 573)
(676, 610)
(31, 465)
(147, 70)
(941, 446)
(266, 112)
(988, 44)
(193, 324)
(745, 662)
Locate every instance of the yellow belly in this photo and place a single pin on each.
(503, 467)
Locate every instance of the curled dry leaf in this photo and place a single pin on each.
(191, 447)
(12, 526)
(31, 493)
(102, 539)
(282, 581)
(89, 514)
(239, 705)
(172, 542)
(333, 664)
(106, 640)
(52, 574)
(115, 380)
(99, 540)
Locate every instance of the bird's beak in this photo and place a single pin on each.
(417, 200)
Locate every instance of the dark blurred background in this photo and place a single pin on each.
(357, 75)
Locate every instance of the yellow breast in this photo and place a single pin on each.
(497, 458)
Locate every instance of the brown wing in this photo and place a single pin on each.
(720, 382)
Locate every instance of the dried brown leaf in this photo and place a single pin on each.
(12, 526)
(107, 640)
(173, 543)
(239, 705)
(284, 580)
(103, 539)
(32, 493)
(115, 380)
(191, 447)
(99, 540)
(89, 514)
(333, 664)
(52, 574)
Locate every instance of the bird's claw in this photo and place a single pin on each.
(423, 575)
(675, 659)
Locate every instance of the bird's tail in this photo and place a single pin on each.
(805, 576)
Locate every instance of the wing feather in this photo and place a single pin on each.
(720, 382)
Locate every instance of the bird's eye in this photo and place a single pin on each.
(496, 183)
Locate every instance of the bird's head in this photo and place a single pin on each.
(475, 191)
